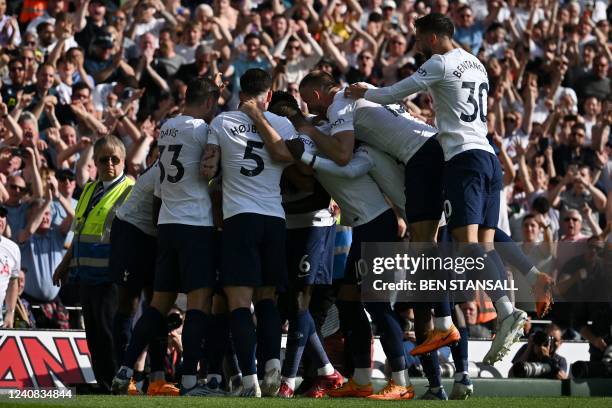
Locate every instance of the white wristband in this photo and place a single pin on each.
(308, 158)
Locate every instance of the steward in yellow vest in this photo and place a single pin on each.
(92, 226)
(89, 254)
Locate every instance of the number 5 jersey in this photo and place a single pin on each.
(251, 179)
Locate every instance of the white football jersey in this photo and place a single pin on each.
(138, 208)
(459, 86)
(251, 179)
(390, 128)
(389, 176)
(340, 113)
(360, 200)
(184, 193)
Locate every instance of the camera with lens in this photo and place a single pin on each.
(532, 369)
(594, 369)
(542, 339)
(546, 366)
(174, 321)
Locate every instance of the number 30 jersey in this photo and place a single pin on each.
(251, 179)
(459, 86)
(184, 193)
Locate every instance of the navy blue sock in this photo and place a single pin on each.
(357, 328)
(268, 331)
(460, 351)
(431, 368)
(299, 331)
(194, 328)
(122, 332)
(316, 352)
(512, 253)
(391, 334)
(150, 325)
(493, 268)
(216, 342)
(244, 339)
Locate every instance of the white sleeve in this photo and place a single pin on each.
(359, 165)
(155, 171)
(287, 131)
(341, 117)
(213, 138)
(200, 133)
(427, 74)
(17, 266)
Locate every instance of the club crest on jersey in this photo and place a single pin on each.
(243, 128)
(338, 122)
(421, 71)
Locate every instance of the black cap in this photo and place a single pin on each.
(65, 174)
(265, 6)
(104, 40)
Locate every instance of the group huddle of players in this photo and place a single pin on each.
(363, 149)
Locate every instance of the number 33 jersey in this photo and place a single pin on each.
(251, 179)
(459, 86)
(184, 193)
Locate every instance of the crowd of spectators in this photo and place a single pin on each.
(75, 70)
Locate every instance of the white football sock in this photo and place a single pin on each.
(503, 307)
(362, 376)
(399, 377)
(443, 323)
(327, 369)
(249, 381)
(290, 381)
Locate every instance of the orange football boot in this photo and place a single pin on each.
(351, 389)
(162, 388)
(436, 339)
(542, 290)
(132, 389)
(392, 391)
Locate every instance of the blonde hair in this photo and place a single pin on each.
(110, 141)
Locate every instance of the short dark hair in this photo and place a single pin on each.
(577, 126)
(255, 82)
(251, 36)
(528, 217)
(80, 85)
(541, 205)
(318, 79)
(435, 23)
(199, 90)
(284, 104)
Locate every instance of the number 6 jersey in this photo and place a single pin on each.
(251, 179)
(184, 193)
(459, 86)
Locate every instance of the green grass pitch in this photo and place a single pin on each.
(167, 402)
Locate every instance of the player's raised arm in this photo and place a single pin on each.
(209, 165)
(434, 39)
(323, 96)
(359, 165)
(272, 139)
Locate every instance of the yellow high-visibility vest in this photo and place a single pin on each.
(92, 226)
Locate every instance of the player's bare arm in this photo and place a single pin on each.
(209, 165)
(338, 147)
(273, 141)
(356, 91)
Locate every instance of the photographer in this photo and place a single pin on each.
(599, 336)
(538, 358)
